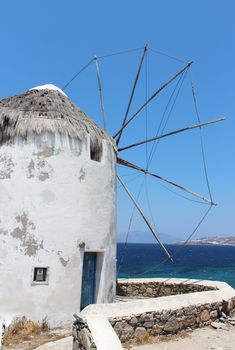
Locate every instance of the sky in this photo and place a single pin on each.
(50, 41)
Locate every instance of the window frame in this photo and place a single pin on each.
(96, 156)
(44, 282)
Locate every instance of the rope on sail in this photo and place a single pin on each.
(170, 190)
(201, 138)
(100, 92)
(77, 74)
(176, 93)
(129, 228)
(146, 107)
(99, 57)
(157, 52)
(155, 144)
(121, 52)
(153, 268)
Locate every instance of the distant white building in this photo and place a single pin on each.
(57, 208)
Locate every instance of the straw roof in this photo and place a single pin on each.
(46, 108)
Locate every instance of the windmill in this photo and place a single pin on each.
(59, 225)
(129, 119)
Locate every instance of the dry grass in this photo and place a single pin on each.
(148, 339)
(22, 329)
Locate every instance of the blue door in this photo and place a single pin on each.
(88, 279)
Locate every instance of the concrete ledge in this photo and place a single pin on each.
(99, 316)
(62, 344)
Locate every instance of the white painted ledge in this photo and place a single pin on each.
(62, 344)
(1, 331)
(103, 334)
(97, 315)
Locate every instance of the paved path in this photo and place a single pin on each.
(62, 344)
(199, 339)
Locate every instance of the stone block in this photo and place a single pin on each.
(230, 305)
(140, 332)
(189, 321)
(165, 316)
(119, 326)
(232, 313)
(179, 313)
(148, 324)
(146, 317)
(133, 321)
(214, 314)
(149, 291)
(172, 326)
(190, 311)
(167, 291)
(126, 318)
(124, 331)
(156, 330)
(205, 316)
(127, 333)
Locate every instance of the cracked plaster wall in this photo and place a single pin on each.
(52, 198)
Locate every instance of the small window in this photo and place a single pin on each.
(96, 152)
(40, 274)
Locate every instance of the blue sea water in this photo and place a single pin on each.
(204, 262)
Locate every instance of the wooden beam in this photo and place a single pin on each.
(132, 92)
(171, 133)
(152, 97)
(145, 220)
(136, 167)
(100, 92)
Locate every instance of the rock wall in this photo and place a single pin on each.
(139, 319)
(158, 289)
(82, 338)
(165, 322)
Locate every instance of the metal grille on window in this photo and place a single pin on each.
(40, 274)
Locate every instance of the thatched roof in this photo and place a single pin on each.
(46, 108)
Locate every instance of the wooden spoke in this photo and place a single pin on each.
(136, 167)
(151, 98)
(171, 133)
(100, 92)
(145, 220)
(132, 92)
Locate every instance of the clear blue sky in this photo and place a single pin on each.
(48, 41)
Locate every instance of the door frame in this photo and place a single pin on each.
(99, 274)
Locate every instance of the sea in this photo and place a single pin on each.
(204, 262)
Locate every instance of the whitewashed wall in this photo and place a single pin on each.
(52, 198)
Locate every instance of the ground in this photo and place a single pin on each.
(200, 339)
(39, 339)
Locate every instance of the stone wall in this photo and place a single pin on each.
(82, 338)
(158, 289)
(139, 319)
(151, 324)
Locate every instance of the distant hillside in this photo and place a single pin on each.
(213, 240)
(145, 237)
